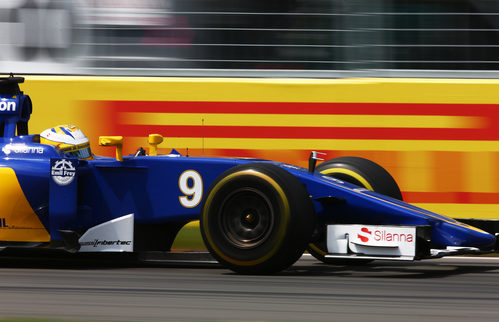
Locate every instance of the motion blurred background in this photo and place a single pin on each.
(315, 38)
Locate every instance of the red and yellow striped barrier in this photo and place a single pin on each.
(439, 138)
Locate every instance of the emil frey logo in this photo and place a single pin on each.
(63, 172)
(383, 235)
(7, 105)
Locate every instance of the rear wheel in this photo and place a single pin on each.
(257, 219)
(361, 172)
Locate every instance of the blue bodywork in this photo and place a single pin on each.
(148, 186)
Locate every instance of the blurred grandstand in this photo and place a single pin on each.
(310, 38)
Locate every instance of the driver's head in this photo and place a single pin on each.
(69, 139)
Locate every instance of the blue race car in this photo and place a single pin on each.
(256, 216)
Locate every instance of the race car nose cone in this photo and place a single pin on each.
(448, 234)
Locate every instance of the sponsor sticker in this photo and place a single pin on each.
(7, 105)
(21, 148)
(384, 236)
(111, 236)
(63, 171)
(382, 240)
(97, 242)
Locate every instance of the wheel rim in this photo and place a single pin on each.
(246, 218)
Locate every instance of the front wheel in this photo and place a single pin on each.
(363, 173)
(257, 219)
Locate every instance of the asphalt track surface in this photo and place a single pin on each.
(450, 289)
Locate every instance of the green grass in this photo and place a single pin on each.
(189, 238)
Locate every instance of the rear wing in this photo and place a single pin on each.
(15, 107)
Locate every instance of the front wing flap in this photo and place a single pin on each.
(387, 242)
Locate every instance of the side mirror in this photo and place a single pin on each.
(154, 140)
(113, 141)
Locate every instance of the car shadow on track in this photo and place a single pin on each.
(52, 259)
(385, 269)
(306, 267)
(56, 259)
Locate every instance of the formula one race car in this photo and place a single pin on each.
(256, 216)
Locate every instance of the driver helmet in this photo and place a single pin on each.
(69, 139)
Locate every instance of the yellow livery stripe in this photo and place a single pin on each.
(326, 144)
(19, 221)
(303, 120)
(372, 90)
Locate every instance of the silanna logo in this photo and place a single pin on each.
(384, 235)
(364, 234)
(21, 149)
(63, 172)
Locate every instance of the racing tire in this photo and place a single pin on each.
(257, 219)
(361, 172)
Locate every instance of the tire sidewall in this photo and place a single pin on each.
(292, 226)
(366, 173)
(216, 238)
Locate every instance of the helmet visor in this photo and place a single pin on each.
(81, 151)
(80, 154)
